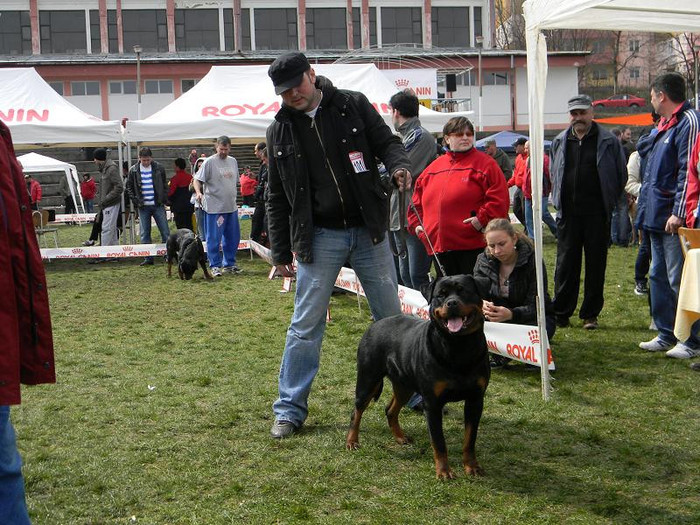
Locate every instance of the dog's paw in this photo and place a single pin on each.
(474, 470)
(403, 439)
(352, 445)
(444, 474)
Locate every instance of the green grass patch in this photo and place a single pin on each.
(162, 412)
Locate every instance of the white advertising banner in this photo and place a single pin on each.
(423, 82)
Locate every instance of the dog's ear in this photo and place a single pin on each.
(427, 289)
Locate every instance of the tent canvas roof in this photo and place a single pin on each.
(505, 139)
(240, 101)
(33, 162)
(36, 114)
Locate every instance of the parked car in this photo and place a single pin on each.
(620, 101)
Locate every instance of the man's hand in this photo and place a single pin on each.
(496, 314)
(419, 230)
(672, 224)
(402, 178)
(285, 270)
(474, 222)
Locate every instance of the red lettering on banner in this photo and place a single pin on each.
(521, 352)
(274, 108)
(492, 345)
(232, 111)
(422, 90)
(20, 115)
(254, 109)
(235, 110)
(381, 108)
(210, 111)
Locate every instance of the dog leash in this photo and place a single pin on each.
(432, 248)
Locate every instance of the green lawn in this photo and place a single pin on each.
(162, 411)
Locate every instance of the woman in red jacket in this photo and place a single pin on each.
(88, 189)
(179, 195)
(455, 198)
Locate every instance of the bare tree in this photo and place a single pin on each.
(622, 59)
(684, 55)
(510, 24)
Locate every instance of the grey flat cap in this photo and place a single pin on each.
(580, 102)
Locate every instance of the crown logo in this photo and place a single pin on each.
(77, 250)
(401, 82)
(127, 248)
(534, 336)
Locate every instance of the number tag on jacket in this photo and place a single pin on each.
(358, 162)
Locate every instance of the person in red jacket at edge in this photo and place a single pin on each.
(455, 198)
(26, 352)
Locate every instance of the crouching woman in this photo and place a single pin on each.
(505, 274)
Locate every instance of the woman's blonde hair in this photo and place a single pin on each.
(504, 225)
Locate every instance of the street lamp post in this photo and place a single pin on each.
(137, 50)
(479, 44)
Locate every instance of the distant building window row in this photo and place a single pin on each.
(263, 28)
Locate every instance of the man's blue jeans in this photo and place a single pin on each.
(665, 281)
(13, 508)
(415, 265)
(331, 249)
(621, 228)
(546, 218)
(157, 213)
(222, 229)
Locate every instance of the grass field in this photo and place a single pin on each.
(162, 411)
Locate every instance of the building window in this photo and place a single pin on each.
(153, 87)
(62, 31)
(326, 29)
(245, 30)
(499, 78)
(122, 87)
(478, 29)
(599, 46)
(146, 28)
(85, 88)
(15, 33)
(357, 27)
(187, 83)
(197, 29)
(634, 73)
(450, 26)
(57, 86)
(228, 29)
(634, 46)
(276, 29)
(599, 74)
(401, 25)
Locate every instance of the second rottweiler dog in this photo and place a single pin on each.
(186, 249)
(444, 359)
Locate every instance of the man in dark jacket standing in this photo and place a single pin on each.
(327, 205)
(589, 173)
(111, 189)
(500, 157)
(147, 187)
(666, 155)
(26, 352)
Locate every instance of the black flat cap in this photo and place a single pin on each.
(580, 102)
(287, 71)
(520, 142)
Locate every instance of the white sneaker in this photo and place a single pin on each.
(655, 345)
(215, 271)
(682, 351)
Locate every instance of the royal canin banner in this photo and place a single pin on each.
(240, 101)
(515, 341)
(423, 82)
(126, 250)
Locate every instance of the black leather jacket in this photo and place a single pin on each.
(359, 128)
(160, 184)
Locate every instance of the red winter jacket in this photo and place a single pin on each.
(35, 191)
(692, 211)
(26, 351)
(248, 185)
(518, 172)
(455, 187)
(527, 182)
(88, 189)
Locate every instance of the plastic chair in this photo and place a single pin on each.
(689, 238)
(40, 220)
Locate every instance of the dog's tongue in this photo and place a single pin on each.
(454, 324)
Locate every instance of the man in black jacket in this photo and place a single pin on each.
(147, 187)
(327, 205)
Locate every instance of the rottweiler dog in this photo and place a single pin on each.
(444, 359)
(186, 249)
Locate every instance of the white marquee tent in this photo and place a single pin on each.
(240, 101)
(35, 163)
(36, 114)
(619, 15)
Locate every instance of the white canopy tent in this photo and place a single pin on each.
(36, 114)
(240, 101)
(620, 15)
(35, 163)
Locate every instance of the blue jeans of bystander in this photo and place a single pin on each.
(415, 265)
(546, 218)
(13, 508)
(331, 249)
(158, 214)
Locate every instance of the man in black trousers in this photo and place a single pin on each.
(589, 173)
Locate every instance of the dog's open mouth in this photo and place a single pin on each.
(456, 324)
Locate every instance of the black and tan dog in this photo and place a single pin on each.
(185, 248)
(444, 359)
